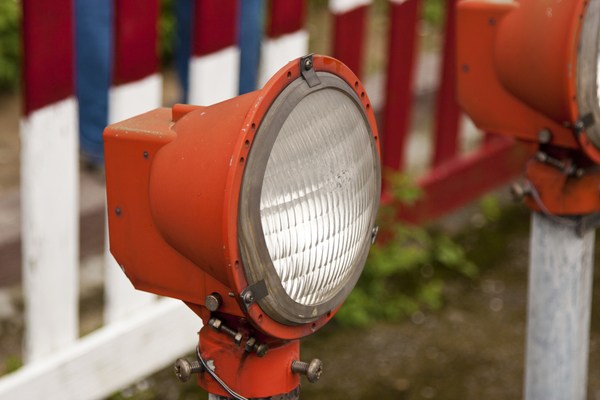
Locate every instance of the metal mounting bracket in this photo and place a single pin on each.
(308, 72)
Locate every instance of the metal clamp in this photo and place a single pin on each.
(308, 72)
(254, 292)
(584, 122)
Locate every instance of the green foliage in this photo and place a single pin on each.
(406, 270)
(166, 31)
(490, 208)
(10, 16)
(433, 12)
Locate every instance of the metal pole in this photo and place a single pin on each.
(560, 288)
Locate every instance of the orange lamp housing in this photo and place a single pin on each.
(529, 69)
(257, 212)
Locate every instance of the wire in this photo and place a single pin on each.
(216, 378)
(538, 200)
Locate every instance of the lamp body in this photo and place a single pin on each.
(523, 71)
(175, 180)
(173, 189)
(517, 64)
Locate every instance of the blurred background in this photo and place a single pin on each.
(440, 310)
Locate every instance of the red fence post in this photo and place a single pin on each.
(48, 66)
(447, 109)
(215, 59)
(398, 92)
(285, 39)
(49, 178)
(349, 31)
(136, 32)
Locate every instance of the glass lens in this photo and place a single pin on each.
(318, 196)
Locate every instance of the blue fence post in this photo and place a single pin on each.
(250, 35)
(93, 26)
(183, 43)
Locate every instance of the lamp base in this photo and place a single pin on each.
(246, 373)
(293, 395)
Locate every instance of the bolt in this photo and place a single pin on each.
(118, 211)
(308, 64)
(146, 155)
(541, 156)
(262, 349)
(312, 370)
(253, 346)
(213, 302)
(374, 233)
(248, 297)
(518, 192)
(545, 136)
(219, 326)
(184, 369)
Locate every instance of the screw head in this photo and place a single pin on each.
(308, 64)
(544, 136)
(213, 302)
(315, 369)
(248, 297)
(118, 211)
(182, 369)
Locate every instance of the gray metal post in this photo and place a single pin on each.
(560, 288)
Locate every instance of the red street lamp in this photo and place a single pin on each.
(530, 70)
(257, 212)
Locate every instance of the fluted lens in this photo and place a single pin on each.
(319, 195)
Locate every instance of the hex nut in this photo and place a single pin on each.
(215, 323)
(238, 338)
(250, 343)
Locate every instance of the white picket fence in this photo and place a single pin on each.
(141, 334)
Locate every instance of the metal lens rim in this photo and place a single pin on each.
(588, 54)
(254, 252)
